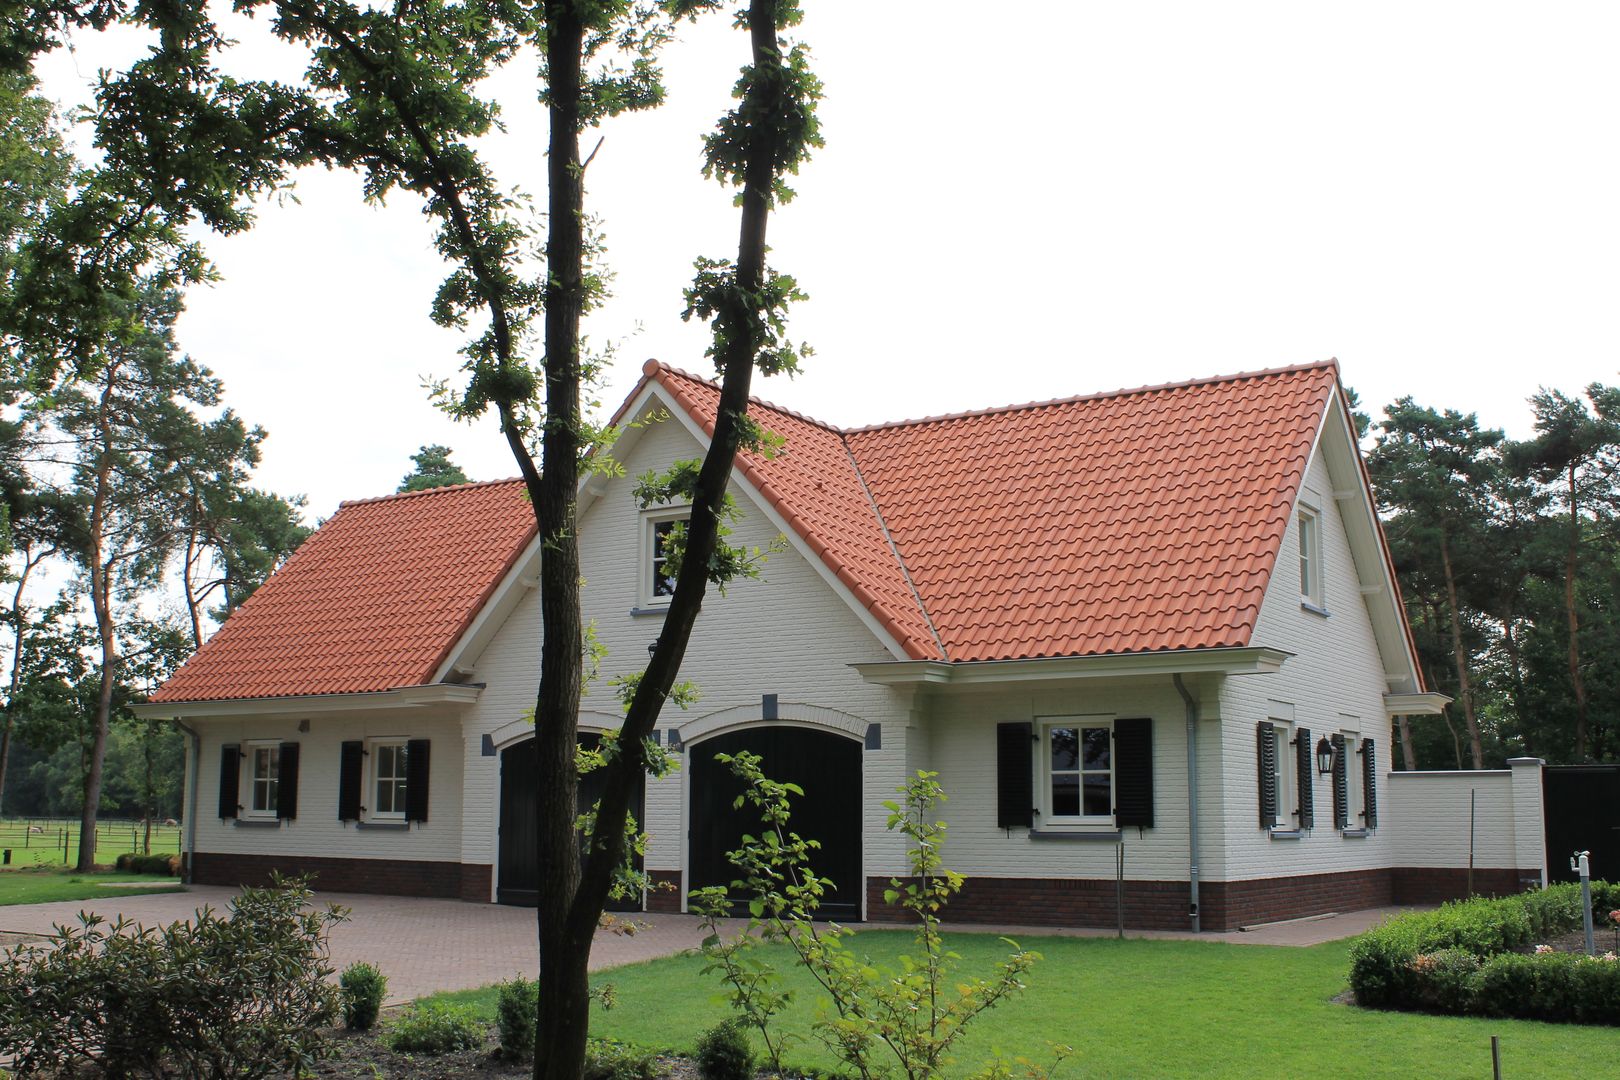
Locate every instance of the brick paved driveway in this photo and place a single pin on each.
(421, 945)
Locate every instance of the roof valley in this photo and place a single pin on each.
(905, 571)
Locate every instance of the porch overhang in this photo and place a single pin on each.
(1233, 661)
(441, 695)
(1429, 704)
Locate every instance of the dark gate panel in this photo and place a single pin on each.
(519, 873)
(1583, 814)
(826, 766)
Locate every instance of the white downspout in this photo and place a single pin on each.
(1192, 803)
(193, 768)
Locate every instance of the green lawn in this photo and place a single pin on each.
(1151, 1009)
(44, 886)
(113, 838)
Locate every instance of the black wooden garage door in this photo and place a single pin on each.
(826, 766)
(1583, 814)
(519, 875)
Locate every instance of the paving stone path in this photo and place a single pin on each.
(428, 945)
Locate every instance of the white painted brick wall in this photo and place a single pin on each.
(1335, 672)
(1430, 812)
(787, 634)
(317, 830)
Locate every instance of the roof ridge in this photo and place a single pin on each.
(440, 490)
(652, 367)
(1102, 395)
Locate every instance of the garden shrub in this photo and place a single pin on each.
(609, 1059)
(516, 1009)
(241, 995)
(132, 863)
(434, 1027)
(1469, 957)
(723, 1052)
(362, 988)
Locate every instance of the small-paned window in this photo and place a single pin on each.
(1078, 758)
(264, 779)
(1283, 763)
(1310, 557)
(388, 769)
(663, 582)
(657, 575)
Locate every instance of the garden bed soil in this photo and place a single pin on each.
(361, 1055)
(1575, 941)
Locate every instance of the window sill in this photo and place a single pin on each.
(1306, 605)
(1110, 836)
(258, 823)
(384, 826)
(640, 612)
(1355, 834)
(1288, 834)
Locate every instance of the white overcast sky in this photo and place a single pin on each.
(1015, 202)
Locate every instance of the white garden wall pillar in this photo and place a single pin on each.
(1529, 816)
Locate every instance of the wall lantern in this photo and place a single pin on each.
(1324, 756)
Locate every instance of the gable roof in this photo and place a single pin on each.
(1136, 521)
(371, 601)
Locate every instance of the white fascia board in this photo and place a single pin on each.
(1359, 514)
(1430, 704)
(441, 695)
(764, 506)
(1234, 661)
(593, 484)
(519, 579)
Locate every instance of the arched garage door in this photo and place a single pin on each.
(827, 766)
(518, 880)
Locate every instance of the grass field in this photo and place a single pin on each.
(45, 848)
(45, 886)
(1146, 1009)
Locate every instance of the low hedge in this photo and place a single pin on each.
(132, 863)
(1471, 957)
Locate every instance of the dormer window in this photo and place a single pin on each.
(657, 580)
(1310, 557)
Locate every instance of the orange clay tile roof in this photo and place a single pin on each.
(1135, 521)
(372, 601)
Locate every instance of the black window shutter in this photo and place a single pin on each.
(1369, 779)
(287, 784)
(1133, 772)
(1305, 768)
(351, 766)
(1015, 787)
(416, 780)
(1341, 785)
(230, 779)
(1266, 745)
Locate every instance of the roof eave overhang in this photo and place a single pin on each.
(1425, 704)
(439, 695)
(1254, 660)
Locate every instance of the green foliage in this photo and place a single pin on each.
(133, 863)
(1471, 957)
(609, 1059)
(245, 995)
(516, 1010)
(913, 1015)
(363, 988)
(723, 1052)
(434, 469)
(434, 1028)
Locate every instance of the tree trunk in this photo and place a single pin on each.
(1408, 755)
(30, 560)
(564, 991)
(1516, 666)
(1459, 654)
(187, 570)
(100, 601)
(1571, 561)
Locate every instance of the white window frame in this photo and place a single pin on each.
(1287, 766)
(647, 561)
(1309, 526)
(374, 780)
(1081, 821)
(251, 750)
